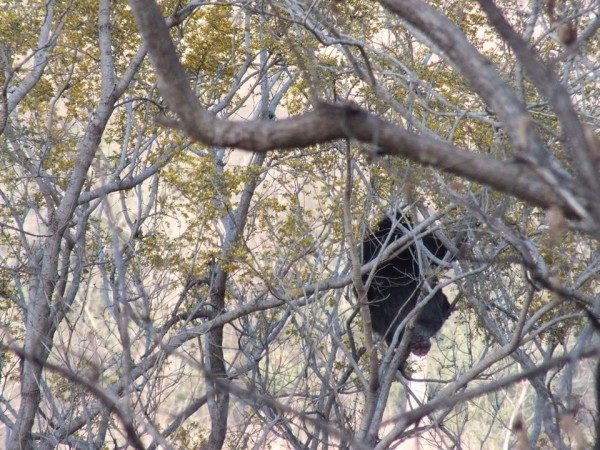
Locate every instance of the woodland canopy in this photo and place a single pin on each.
(184, 187)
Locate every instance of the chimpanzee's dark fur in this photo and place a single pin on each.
(396, 287)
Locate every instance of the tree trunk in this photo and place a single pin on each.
(38, 344)
(219, 405)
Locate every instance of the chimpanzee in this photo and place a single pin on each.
(396, 286)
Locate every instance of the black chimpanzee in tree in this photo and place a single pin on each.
(397, 285)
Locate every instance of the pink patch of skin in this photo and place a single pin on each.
(420, 348)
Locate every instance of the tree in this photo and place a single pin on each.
(179, 232)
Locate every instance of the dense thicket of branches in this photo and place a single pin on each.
(184, 186)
